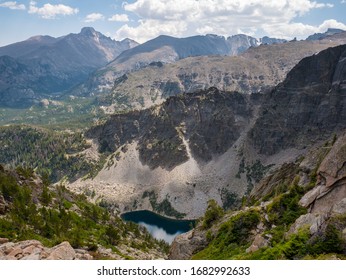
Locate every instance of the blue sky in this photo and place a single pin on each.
(142, 20)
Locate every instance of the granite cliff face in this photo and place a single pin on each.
(210, 121)
(307, 107)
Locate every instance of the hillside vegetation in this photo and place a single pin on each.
(31, 209)
(53, 154)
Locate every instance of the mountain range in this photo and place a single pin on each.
(257, 69)
(167, 49)
(45, 66)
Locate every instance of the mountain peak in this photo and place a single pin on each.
(329, 32)
(215, 36)
(88, 31)
(334, 30)
(131, 43)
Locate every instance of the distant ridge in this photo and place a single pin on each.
(168, 49)
(329, 32)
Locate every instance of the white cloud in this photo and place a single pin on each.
(224, 17)
(13, 5)
(94, 17)
(49, 11)
(148, 29)
(301, 30)
(343, 2)
(331, 23)
(119, 18)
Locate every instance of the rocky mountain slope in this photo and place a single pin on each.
(166, 49)
(297, 212)
(214, 144)
(42, 221)
(45, 65)
(255, 70)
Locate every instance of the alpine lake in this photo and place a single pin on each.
(158, 226)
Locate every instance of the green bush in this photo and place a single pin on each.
(285, 209)
(232, 238)
(212, 214)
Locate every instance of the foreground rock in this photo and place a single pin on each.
(34, 250)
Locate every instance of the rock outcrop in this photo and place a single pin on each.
(330, 189)
(187, 244)
(34, 250)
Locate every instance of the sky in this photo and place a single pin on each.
(142, 20)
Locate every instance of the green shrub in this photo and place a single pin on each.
(232, 238)
(285, 209)
(212, 214)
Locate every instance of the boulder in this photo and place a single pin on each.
(187, 244)
(311, 221)
(63, 251)
(259, 242)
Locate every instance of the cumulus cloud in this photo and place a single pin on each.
(119, 18)
(148, 29)
(331, 23)
(94, 17)
(224, 17)
(13, 5)
(300, 29)
(49, 11)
